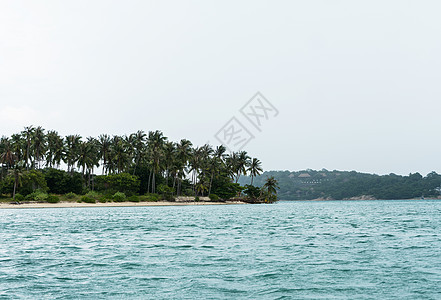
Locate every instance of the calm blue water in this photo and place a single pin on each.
(290, 250)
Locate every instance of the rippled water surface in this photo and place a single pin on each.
(289, 250)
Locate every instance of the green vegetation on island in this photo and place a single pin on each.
(36, 165)
(338, 185)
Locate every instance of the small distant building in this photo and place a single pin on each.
(304, 175)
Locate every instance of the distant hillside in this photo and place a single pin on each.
(312, 184)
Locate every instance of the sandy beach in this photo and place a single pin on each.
(109, 204)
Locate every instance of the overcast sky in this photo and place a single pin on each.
(357, 84)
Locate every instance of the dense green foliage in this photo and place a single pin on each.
(311, 184)
(136, 164)
(61, 182)
(122, 182)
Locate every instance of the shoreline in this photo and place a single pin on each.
(359, 199)
(110, 204)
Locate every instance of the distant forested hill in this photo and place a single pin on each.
(312, 184)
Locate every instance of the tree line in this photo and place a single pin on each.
(177, 168)
(324, 184)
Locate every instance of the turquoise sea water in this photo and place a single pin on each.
(289, 250)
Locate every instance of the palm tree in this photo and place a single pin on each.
(27, 134)
(7, 156)
(55, 149)
(183, 154)
(237, 164)
(119, 158)
(195, 165)
(169, 158)
(71, 149)
(92, 160)
(255, 168)
(242, 164)
(17, 172)
(103, 150)
(139, 139)
(216, 163)
(270, 187)
(18, 146)
(87, 157)
(155, 144)
(39, 145)
(232, 163)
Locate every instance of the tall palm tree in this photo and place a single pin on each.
(28, 134)
(169, 158)
(195, 163)
(88, 158)
(155, 144)
(38, 145)
(55, 149)
(205, 164)
(271, 185)
(86, 155)
(72, 145)
(7, 156)
(242, 164)
(232, 164)
(18, 146)
(183, 154)
(104, 150)
(139, 139)
(238, 163)
(216, 163)
(129, 141)
(119, 159)
(255, 168)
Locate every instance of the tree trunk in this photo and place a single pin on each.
(15, 186)
(148, 184)
(211, 182)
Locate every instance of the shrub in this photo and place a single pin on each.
(119, 197)
(145, 198)
(52, 199)
(70, 195)
(37, 195)
(93, 195)
(187, 192)
(213, 197)
(108, 197)
(224, 188)
(153, 197)
(19, 197)
(252, 192)
(197, 199)
(87, 199)
(133, 198)
(166, 191)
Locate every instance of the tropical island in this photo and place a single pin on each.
(39, 166)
